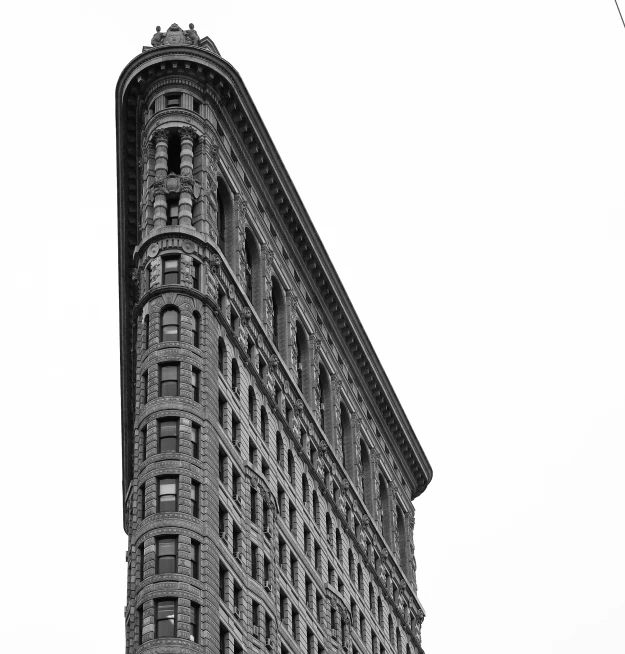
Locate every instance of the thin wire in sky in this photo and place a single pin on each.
(619, 12)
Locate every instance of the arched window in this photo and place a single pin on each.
(195, 329)
(235, 376)
(329, 527)
(305, 489)
(339, 545)
(146, 331)
(251, 405)
(263, 424)
(380, 611)
(398, 639)
(226, 229)
(170, 324)
(390, 629)
(360, 578)
(371, 598)
(350, 565)
(315, 500)
(366, 475)
(279, 316)
(221, 354)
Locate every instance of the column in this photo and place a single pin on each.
(185, 202)
(161, 137)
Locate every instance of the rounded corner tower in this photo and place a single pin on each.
(268, 467)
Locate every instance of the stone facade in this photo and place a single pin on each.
(269, 470)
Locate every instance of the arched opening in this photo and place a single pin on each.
(305, 489)
(226, 229)
(278, 326)
(401, 532)
(170, 324)
(367, 485)
(303, 372)
(251, 274)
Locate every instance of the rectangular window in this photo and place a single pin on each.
(144, 443)
(169, 374)
(140, 620)
(195, 623)
(195, 559)
(142, 501)
(165, 610)
(168, 435)
(222, 584)
(141, 560)
(222, 411)
(166, 555)
(172, 100)
(195, 384)
(195, 441)
(172, 215)
(197, 274)
(195, 499)
(167, 499)
(171, 270)
(196, 106)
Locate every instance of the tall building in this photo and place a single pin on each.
(268, 467)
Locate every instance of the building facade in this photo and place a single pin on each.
(268, 467)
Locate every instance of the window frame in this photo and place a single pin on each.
(159, 494)
(157, 559)
(164, 273)
(161, 438)
(158, 621)
(166, 338)
(168, 364)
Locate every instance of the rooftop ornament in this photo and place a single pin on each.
(175, 35)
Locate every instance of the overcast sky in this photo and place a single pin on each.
(463, 162)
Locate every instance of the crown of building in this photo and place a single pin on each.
(176, 36)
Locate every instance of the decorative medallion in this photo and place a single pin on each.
(188, 246)
(153, 250)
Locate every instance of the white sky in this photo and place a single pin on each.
(464, 165)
